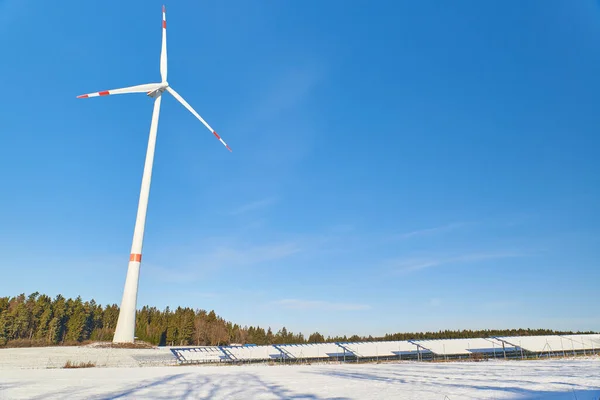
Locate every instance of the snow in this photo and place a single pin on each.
(535, 379)
(56, 357)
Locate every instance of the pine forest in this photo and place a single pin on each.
(39, 320)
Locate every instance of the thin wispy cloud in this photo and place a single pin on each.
(288, 90)
(281, 130)
(192, 294)
(405, 265)
(254, 205)
(501, 304)
(435, 302)
(214, 254)
(285, 92)
(432, 231)
(229, 256)
(224, 257)
(297, 304)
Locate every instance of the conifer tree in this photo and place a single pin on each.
(40, 320)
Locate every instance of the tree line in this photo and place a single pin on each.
(39, 320)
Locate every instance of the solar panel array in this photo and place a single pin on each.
(461, 346)
(554, 343)
(313, 350)
(383, 349)
(496, 347)
(584, 342)
(252, 353)
(201, 354)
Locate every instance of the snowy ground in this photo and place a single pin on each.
(544, 379)
(56, 357)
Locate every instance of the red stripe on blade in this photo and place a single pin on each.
(104, 93)
(217, 136)
(164, 24)
(163, 8)
(83, 96)
(135, 257)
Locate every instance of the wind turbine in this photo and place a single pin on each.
(124, 332)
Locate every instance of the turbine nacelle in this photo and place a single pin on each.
(157, 92)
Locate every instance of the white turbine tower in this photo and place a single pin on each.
(126, 322)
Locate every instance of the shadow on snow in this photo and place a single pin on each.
(416, 383)
(192, 386)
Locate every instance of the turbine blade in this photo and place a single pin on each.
(163, 51)
(186, 105)
(148, 87)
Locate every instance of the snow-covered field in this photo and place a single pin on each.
(541, 379)
(56, 357)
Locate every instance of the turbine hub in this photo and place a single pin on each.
(157, 92)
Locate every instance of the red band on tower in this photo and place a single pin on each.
(135, 257)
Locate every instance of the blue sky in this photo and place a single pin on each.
(396, 166)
